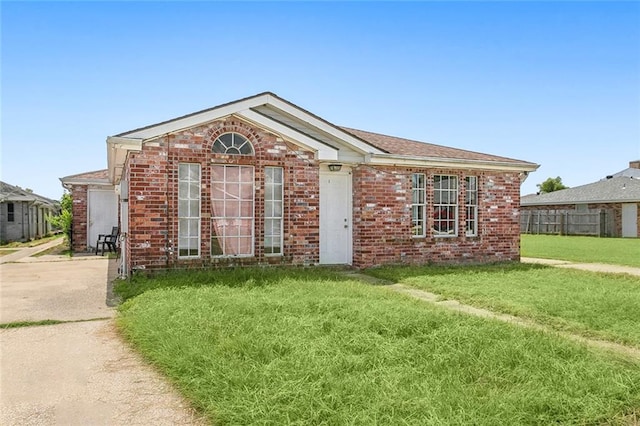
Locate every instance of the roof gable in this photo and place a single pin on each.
(331, 143)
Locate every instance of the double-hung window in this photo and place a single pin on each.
(418, 205)
(445, 205)
(273, 210)
(471, 205)
(11, 212)
(188, 210)
(232, 218)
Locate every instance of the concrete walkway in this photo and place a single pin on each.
(455, 305)
(75, 373)
(593, 267)
(25, 253)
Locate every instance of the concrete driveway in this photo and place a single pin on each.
(76, 373)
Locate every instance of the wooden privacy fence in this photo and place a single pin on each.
(598, 222)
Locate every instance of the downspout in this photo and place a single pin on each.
(30, 219)
(124, 229)
(25, 235)
(168, 240)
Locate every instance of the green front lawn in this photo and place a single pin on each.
(617, 251)
(278, 346)
(606, 306)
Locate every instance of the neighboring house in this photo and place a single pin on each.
(23, 214)
(95, 207)
(617, 196)
(263, 181)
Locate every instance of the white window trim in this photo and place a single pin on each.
(440, 234)
(474, 233)
(422, 205)
(281, 218)
(199, 217)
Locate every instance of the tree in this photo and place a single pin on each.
(551, 184)
(64, 219)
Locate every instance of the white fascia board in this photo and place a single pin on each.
(125, 142)
(431, 162)
(198, 119)
(356, 143)
(324, 151)
(85, 182)
(117, 150)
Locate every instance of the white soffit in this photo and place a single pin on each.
(313, 126)
(117, 150)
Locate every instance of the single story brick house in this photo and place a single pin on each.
(23, 214)
(262, 181)
(618, 195)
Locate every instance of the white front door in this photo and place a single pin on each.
(629, 220)
(102, 213)
(335, 217)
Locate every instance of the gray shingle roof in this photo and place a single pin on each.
(402, 146)
(388, 144)
(12, 193)
(615, 190)
(630, 172)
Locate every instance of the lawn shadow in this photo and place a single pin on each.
(240, 277)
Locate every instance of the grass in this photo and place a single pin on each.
(20, 324)
(604, 306)
(313, 347)
(234, 277)
(31, 243)
(617, 251)
(5, 252)
(59, 250)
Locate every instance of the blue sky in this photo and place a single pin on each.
(555, 83)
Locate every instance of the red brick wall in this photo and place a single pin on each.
(382, 219)
(79, 225)
(153, 197)
(381, 206)
(617, 215)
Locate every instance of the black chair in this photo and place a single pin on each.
(109, 241)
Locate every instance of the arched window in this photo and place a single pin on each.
(232, 143)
